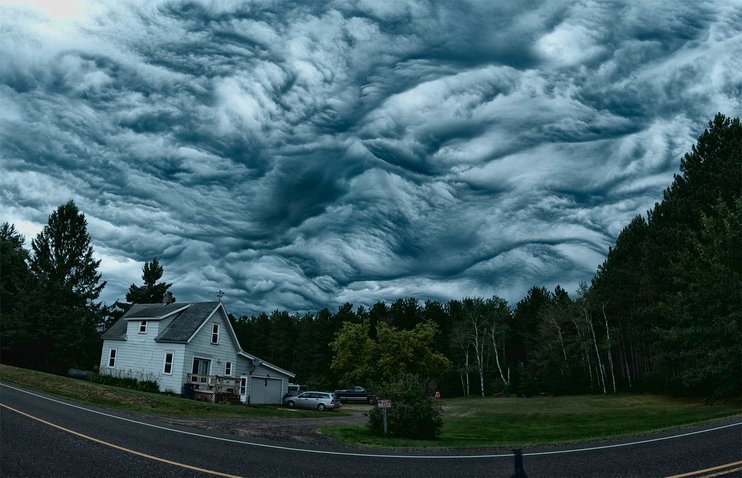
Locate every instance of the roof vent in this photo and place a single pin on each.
(167, 298)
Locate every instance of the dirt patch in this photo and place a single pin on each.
(285, 430)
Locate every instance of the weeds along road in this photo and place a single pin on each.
(46, 436)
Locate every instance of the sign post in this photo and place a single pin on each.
(384, 405)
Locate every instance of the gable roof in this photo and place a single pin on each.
(267, 364)
(187, 318)
(187, 322)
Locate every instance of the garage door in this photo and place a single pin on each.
(265, 390)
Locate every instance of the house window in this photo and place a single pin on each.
(215, 334)
(112, 358)
(228, 368)
(168, 368)
(143, 327)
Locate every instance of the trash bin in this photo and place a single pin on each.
(188, 390)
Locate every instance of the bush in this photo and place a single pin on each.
(414, 413)
(126, 382)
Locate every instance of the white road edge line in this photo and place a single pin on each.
(371, 455)
(118, 447)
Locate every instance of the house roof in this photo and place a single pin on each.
(186, 320)
(268, 364)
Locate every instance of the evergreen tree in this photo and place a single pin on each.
(670, 286)
(704, 340)
(15, 284)
(152, 291)
(67, 283)
(63, 256)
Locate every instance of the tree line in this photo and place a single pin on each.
(661, 314)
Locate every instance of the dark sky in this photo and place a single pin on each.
(299, 155)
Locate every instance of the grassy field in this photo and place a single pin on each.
(494, 422)
(135, 401)
(467, 422)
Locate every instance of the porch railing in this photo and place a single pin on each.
(213, 387)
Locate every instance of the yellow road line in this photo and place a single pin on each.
(715, 468)
(120, 448)
(725, 472)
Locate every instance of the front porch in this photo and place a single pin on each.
(212, 388)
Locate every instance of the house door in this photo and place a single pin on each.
(201, 368)
(243, 389)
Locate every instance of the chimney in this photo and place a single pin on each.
(167, 298)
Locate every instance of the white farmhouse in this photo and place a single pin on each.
(190, 349)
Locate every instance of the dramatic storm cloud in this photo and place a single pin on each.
(299, 155)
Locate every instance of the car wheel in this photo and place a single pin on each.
(321, 407)
(371, 400)
(291, 404)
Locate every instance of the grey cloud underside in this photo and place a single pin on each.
(299, 156)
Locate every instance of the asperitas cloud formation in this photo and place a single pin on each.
(300, 155)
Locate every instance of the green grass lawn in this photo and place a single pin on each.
(131, 400)
(467, 422)
(498, 422)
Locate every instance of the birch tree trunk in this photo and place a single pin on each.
(478, 343)
(561, 339)
(493, 335)
(460, 339)
(477, 339)
(597, 352)
(610, 355)
(466, 370)
(585, 351)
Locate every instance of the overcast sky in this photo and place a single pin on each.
(300, 155)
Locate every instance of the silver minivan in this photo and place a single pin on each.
(315, 400)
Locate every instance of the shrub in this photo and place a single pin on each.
(414, 413)
(132, 383)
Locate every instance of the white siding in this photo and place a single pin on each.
(140, 357)
(173, 382)
(200, 346)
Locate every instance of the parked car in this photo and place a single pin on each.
(356, 394)
(294, 390)
(316, 400)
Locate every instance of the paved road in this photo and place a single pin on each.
(82, 441)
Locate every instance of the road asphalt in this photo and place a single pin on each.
(46, 436)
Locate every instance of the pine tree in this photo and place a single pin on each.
(66, 284)
(15, 282)
(152, 290)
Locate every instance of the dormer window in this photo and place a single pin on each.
(143, 327)
(215, 334)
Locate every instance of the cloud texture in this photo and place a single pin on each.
(298, 155)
